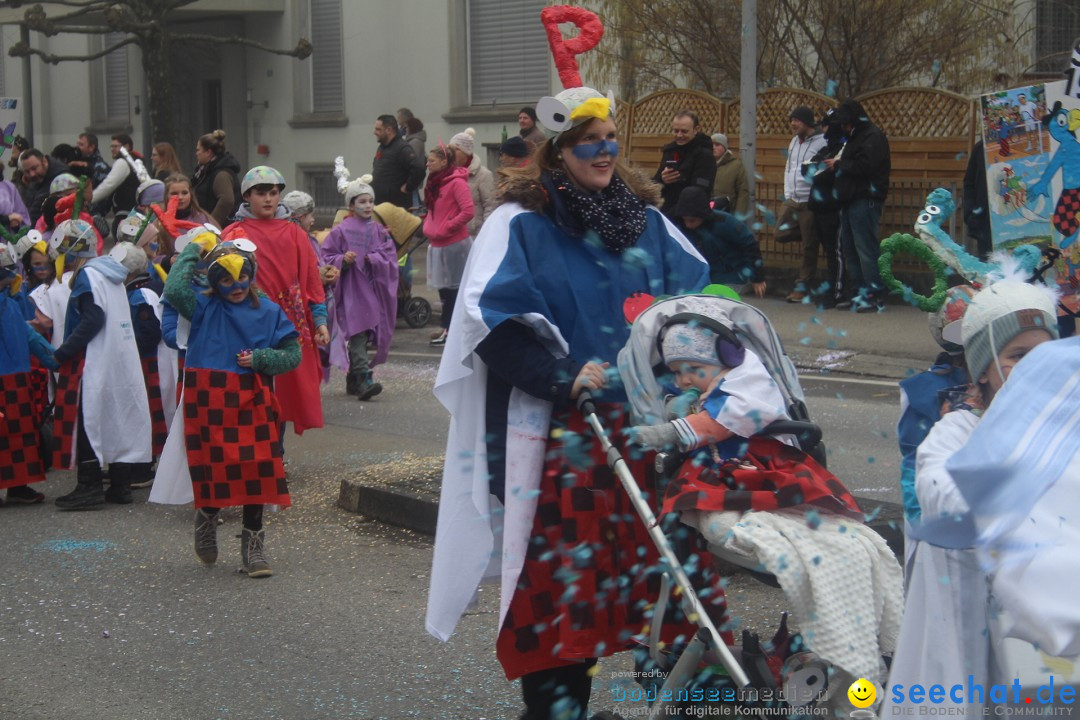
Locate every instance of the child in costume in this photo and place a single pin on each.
(146, 324)
(102, 414)
(46, 301)
(948, 608)
(301, 207)
(921, 401)
(366, 294)
(230, 411)
(20, 459)
(289, 275)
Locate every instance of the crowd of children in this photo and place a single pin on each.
(182, 334)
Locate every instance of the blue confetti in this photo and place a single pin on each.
(831, 87)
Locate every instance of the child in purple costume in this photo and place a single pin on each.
(366, 293)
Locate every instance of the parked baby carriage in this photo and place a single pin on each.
(803, 532)
(404, 228)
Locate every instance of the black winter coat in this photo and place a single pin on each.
(695, 164)
(863, 170)
(395, 165)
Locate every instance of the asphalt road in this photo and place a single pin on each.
(107, 615)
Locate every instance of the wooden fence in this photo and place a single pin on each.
(930, 134)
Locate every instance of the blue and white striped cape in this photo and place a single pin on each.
(1019, 472)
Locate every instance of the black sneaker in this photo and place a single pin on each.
(369, 390)
(119, 495)
(843, 305)
(83, 497)
(24, 495)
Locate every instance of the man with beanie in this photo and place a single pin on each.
(730, 183)
(515, 152)
(723, 240)
(687, 161)
(795, 213)
(396, 171)
(862, 182)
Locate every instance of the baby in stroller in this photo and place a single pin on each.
(743, 481)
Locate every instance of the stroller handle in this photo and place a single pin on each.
(674, 567)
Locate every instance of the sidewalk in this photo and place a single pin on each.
(887, 346)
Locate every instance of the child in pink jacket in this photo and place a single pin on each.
(450, 208)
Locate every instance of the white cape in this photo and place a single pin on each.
(115, 408)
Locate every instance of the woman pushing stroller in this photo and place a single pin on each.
(526, 494)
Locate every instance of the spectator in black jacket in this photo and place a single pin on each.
(723, 240)
(397, 171)
(977, 201)
(38, 171)
(825, 206)
(686, 162)
(862, 182)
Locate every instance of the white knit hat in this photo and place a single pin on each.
(464, 141)
(131, 257)
(999, 313)
(359, 186)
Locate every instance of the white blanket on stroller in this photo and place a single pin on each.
(842, 582)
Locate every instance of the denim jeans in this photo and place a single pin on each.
(861, 245)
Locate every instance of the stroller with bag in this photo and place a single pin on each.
(768, 507)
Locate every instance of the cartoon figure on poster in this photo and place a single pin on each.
(1033, 174)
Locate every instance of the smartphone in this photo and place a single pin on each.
(671, 164)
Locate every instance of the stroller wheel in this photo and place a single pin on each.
(417, 312)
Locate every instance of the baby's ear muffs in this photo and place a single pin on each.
(729, 349)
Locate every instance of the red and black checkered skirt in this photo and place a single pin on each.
(1067, 212)
(39, 387)
(20, 454)
(159, 431)
(233, 439)
(66, 412)
(772, 475)
(590, 576)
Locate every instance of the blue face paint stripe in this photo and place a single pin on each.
(588, 152)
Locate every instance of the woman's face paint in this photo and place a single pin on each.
(590, 164)
(591, 150)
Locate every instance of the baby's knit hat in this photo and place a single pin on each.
(999, 313)
(689, 342)
(464, 141)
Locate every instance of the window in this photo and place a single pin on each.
(1057, 25)
(327, 76)
(319, 182)
(109, 87)
(319, 91)
(508, 52)
(116, 79)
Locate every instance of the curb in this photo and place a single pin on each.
(419, 512)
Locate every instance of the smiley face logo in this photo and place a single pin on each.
(862, 693)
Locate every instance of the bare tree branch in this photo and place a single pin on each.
(302, 50)
(24, 50)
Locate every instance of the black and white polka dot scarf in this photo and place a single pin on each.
(615, 213)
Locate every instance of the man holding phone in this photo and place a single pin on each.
(687, 161)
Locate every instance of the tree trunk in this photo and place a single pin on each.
(156, 65)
